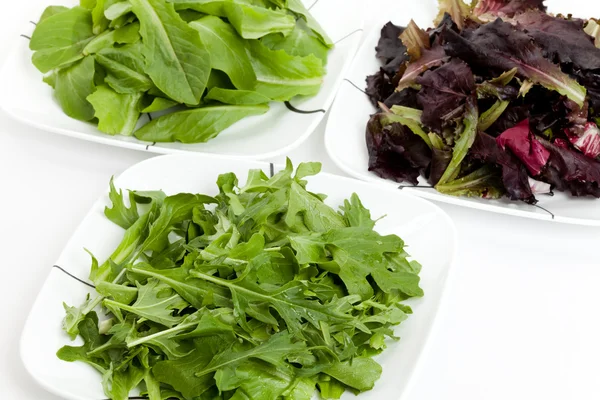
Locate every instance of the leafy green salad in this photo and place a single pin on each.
(261, 292)
(201, 64)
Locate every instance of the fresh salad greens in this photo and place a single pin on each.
(261, 292)
(500, 98)
(206, 64)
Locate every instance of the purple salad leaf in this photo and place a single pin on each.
(509, 118)
(562, 40)
(395, 152)
(429, 59)
(440, 160)
(379, 87)
(443, 94)
(405, 97)
(586, 139)
(390, 50)
(498, 45)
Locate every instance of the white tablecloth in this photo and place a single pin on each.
(520, 320)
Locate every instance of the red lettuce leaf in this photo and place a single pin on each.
(498, 45)
(395, 152)
(562, 40)
(444, 92)
(523, 144)
(514, 173)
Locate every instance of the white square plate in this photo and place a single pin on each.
(26, 98)
(427, 230)
(345, 133)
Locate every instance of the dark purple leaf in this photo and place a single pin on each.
(444, 92)
(498, 45)
(379, 87)
(514, 173)
(439, 163)
(390, 49)
(406, 97)
(395, 152)
(562, 40)
(509, 118)
(572, 165)
(523, 144)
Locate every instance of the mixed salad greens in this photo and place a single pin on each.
(500, 98)
(262, 292)
(205, 64)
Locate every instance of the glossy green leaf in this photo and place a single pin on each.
(176, 59)
(125, 69)
(73, 85)
(59, 39)
(196, 125)
(282, 76)
(236, 97)
(227, 49)
(117, 113)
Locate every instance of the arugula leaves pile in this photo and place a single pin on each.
(262, 292)
(205, 64)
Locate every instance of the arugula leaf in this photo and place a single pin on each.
(176, 59)
(196, 125)
(268, 294)
(119, 213)
(52, 10)
(155, 302)
(159, 104)
(227, 49)
(117, 113)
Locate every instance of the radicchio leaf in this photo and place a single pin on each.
(390, 49)
(444, 92)
(395, 152)
(523, 144)
(514, 174)
(562, 40)
(498, 45)
(587, 141)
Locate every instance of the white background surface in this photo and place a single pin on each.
(521, 317)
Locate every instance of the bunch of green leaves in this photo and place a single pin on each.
(203, 65)
(262, 292)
